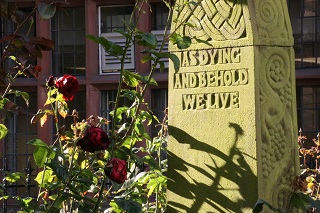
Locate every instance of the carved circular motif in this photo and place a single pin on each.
(269, 14)
(277, 71)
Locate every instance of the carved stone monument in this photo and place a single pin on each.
(232, 112)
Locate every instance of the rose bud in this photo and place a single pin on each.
(68, 86)
(118, 172)
(50, 82)
(94, 139)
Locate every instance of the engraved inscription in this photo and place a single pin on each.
(220, 100)
(212, 78)
(210, 57)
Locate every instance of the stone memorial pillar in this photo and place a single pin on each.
(232, 113)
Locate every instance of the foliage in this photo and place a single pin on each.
(74, 169)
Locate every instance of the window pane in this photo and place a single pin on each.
(16, 152)
(159, 104)
(308, 103)
(309, 29)
(107, 105)
(294, 8)
(309, 7)
(306, 31)
(78, 103)
(160, 14)
(298, 55)
(68, 33)
(296, 30)
(309, 59)
(114, 18)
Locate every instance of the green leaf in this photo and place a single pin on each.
(182, 42)
(92, 38)
(130, 94)
(140, 129)
(147, 39)
(129, 142)
(24, 95)
(46, 11)
(3, 131)
(106, 44)
(44, 177)
(40, 155)
(151, 186)
(125, 34)
(146, 59)
(303, 201)
(60, 170)
(58, 202)
(259, 206)
(131, 79)
(131, 206)
(115, 49)
(202, 41)
(110, 47)
(3, 101)
(37, 142)
(151, 162)
(120, 111)
(41, 152)
(144, 115)
(13, 177)
(152, 81)
(175, 60)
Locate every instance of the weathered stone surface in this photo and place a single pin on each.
(232, 112)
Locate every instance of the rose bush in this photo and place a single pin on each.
(74, 168)
(68, 86)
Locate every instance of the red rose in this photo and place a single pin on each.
(68, 86)
(118, 171)
(95, 139)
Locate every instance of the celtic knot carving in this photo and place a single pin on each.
(216, 20)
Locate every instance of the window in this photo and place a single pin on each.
(107, 105)
(305, 20)
(160, 14)
(159, 104)
(16, 152)
(68, 34)
(78, 103)
(112, 18)
(8, 27)
(308, 105)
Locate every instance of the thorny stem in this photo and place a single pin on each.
(153, 68)
(9, 85)
(116, 105)
(104, 181)
(16, 31)
(40, 187)
(162, 133)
